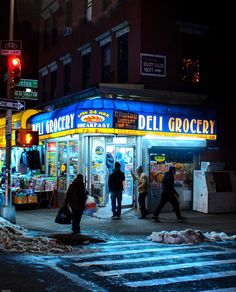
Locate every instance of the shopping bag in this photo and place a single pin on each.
(90, 206)
(64, 215)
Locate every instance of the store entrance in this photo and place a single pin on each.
(125, 156)
(104, 152)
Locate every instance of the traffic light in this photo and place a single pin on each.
(14, 66)
(24, 137)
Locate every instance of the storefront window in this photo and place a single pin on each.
(160, 163)
(62, 165)
(51, 151)
(73, 160)
(98, 169)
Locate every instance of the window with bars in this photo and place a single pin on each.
(123, 58)
(69, 13)
(106, 4)
(67, 78)
(53, 84)
(86, 71)
(88, 11)
(106, 63)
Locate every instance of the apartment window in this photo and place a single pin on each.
(190, 70)
(89, 10)
(192, 53)
(45, 34)
(123, 58)
(54, 29)
(67, 78)
(106, 63)
(86, 70)
(53, 84)
(69, 13)
(106, 4)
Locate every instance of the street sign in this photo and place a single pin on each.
(26, 94)
(15, 105)
(31, 83)
(9, 48)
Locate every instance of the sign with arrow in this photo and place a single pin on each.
(15, 105)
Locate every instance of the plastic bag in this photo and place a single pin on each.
(90, 206)
(64, 215)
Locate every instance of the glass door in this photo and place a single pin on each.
(125, 156)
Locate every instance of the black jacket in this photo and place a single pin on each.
(168, 184)
(115, 181)
(76, 196)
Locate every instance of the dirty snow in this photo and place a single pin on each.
(14, 238)
(188, 236)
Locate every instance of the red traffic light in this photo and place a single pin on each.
(14, 66)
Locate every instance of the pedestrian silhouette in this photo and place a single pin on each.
(168, 194)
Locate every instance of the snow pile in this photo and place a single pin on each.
(14, 238)
(188, 236)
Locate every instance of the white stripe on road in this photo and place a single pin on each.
(232, 289)
(123, 244)
(174, 280)
(154, 258)
(158, 269)
(125, 252)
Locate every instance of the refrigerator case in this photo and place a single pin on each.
(214, 191)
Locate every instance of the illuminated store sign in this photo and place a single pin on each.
(121, 119)
(167, 123)
(94, 119)
(56, 124)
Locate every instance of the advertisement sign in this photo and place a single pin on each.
(94, 118)
(125, 120)
(152, 65)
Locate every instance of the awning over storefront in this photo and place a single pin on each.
(126, 117)
(19, 121)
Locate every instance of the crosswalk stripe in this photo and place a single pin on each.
(121, 244)
(232, 289)
(154, 258)
(191, 278)
(158, 269)
(125, 252)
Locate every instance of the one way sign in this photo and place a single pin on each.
(15, 105)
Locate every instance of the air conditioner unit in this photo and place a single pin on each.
(67, 31)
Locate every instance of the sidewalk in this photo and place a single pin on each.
(100, 226)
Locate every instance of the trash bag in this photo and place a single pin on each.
(90, 206)
(64, 215)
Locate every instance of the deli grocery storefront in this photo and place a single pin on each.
(89, 136)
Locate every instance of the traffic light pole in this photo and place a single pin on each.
(8, 210)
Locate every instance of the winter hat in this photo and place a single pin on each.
(172, 169)
(79, 177)
(117, 165)
(140, 169)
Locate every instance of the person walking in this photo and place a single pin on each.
(168, 194)
(76, 197)
(115, 184)
(142, 189)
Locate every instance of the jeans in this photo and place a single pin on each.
(116, 197)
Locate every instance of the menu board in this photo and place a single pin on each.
(125, 120)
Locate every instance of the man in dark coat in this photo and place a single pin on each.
(76, 197)
(168, 194)
(115, 184)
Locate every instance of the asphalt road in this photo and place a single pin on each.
(122, 265)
